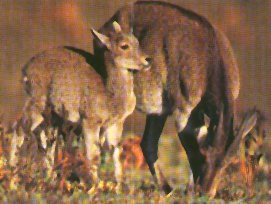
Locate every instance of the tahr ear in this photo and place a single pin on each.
(117, 27)
(102, 38)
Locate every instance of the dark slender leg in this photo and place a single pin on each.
(222, 137)
(149, 145)
(188, 138)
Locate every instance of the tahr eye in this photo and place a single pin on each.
(124, 47)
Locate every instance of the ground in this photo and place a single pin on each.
(29, 181)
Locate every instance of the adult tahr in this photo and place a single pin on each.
(194, 72)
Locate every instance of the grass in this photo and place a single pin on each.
(34, 186)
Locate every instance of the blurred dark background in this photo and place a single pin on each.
(30, 26)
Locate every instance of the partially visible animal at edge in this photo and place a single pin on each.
(246, 161)
(62, 81)
(251, 150)
(194, 72)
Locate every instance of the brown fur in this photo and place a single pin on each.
(186, 49)
(60, 79)
(246, 159)
(193, 72)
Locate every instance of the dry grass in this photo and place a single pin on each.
(29, 180)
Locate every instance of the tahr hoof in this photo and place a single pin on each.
(166, 188)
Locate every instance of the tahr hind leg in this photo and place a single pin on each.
(188, 137)
(30, 120)
(32, 113)
(16, 143)
(48, 138)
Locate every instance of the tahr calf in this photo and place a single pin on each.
(62, 80)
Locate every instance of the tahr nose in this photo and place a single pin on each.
(148, 62)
